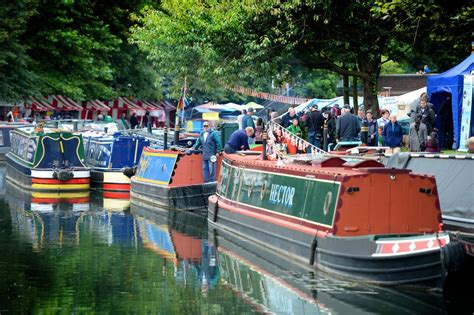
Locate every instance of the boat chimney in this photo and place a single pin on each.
(264, 146)
(148, 125)
(325, 136)
(165, 138)
(176, 134)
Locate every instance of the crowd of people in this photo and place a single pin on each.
(344, 126)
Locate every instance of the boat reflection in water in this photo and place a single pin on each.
(150, 255)
(181, 238)
(273, 285)
(46, 217)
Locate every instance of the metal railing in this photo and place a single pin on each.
(273, 126)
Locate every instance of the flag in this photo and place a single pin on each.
(182, 103)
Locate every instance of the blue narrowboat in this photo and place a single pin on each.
(108, 156)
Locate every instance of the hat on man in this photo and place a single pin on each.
(347, 106)
(250, 110)
(315, 106)
(206, 123)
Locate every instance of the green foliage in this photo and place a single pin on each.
(392, 67)
(16, 75)
(76, 48)
(317, 83)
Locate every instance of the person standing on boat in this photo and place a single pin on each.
(239, 140)
(392, 135)
(211, 146)
(247, 121)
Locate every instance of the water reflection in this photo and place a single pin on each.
(69, 254)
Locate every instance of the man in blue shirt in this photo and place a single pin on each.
(239, 140)
(211, 145)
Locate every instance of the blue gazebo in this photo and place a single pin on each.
(450, 84)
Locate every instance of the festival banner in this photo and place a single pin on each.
(466, 112)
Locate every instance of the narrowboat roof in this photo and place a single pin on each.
(30, 130)
(320, 166)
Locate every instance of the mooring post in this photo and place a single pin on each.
(75, 126)
(165, 138)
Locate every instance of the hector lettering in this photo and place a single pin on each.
(282, 195)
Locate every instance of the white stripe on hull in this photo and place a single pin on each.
(115, 178)
(49, 174)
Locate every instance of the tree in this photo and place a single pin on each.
(17, 77)
(247, 41)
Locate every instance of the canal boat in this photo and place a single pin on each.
(171, 179)
(355, 219)
(108, 156)
(5, 143)
(47, 159)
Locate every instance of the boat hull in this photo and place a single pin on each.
(110, 180)
(44, 179)
(189, 198)
(351, 257)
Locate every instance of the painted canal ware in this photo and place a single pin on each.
(108, 156)
(355, 219)
(171, 179)
(47, 160)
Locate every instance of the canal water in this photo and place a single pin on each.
(90, 254)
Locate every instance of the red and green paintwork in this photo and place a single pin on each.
(306, 198)
(342, 199)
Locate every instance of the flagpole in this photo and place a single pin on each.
(177, 126)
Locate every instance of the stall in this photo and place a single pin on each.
(445, 91)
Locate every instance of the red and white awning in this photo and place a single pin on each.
(61, 102)
(167, 106)
(149, 105)
(40, 105)
(125, 103)
(96, 105)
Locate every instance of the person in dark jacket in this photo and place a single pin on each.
(315, 126)
(427, 115)
(392, 135)
(347, 126)
(287, 119)
(211, 145)
(133, 121)
(239, 140)
(372, 129)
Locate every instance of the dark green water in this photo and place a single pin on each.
(96, 257)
